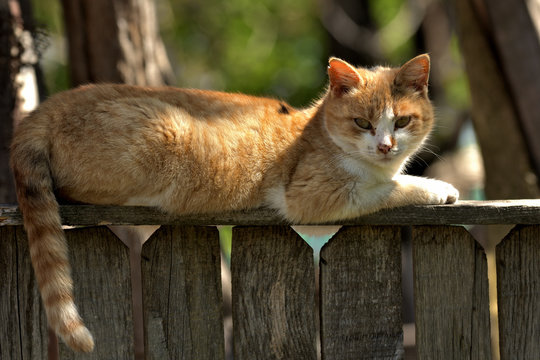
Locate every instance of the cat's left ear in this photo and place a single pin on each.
(343, 77)
(414, 74)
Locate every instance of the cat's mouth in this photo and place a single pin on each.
(391, 156)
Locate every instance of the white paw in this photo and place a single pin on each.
(420, 190)
(440, 192)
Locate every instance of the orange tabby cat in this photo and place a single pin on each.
(192, 151)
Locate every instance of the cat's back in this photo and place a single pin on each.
(199, 103)
(109, 142)
(98, 105)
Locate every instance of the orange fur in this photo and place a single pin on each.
(193, 151)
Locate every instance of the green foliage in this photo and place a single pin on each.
(268, 47)
(48, 17)
(48, 14)
(225, 241)
(456, 85)
(393, 29)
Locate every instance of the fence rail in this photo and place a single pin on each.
(274, 293)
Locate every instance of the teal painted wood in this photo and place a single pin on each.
(273, 290)
(451, 294)
(182, 294)
(101, 275)
(360, 294)
(518, 287)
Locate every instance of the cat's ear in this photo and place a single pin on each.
(414, 74)
(343, 76)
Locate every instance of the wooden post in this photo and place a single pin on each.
(360, 294)
(23, 326)
(273, 290)
(518, 285)
(182, 294)
(101, 275)
(451, 294)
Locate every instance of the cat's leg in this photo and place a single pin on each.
(302, 204)
(402, 190)
(408, 190)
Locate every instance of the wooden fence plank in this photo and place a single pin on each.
(463, 212)
(10, 337)
(451, 294)
(360, 294)
(34, 330)
(182, 294)
(518, 286)
(273, 290)
(23, 325)
(101, 274)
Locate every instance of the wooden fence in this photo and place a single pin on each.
(274, 289)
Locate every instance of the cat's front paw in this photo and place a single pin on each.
(441, 192)
(419, 190)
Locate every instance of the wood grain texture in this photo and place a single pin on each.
(518, 285)
(451, 294)
(182, 294)
(23, 326)
(273, 294)
(360, 294)
(517, 42)
(100, 267)
(10, 337)
(464, 212)
(33, 321)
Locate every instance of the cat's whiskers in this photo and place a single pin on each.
(426, 148)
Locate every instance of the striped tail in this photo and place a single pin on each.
(46, 240)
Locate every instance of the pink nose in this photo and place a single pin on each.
(384, 148)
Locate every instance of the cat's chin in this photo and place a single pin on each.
(386, 159)
(388, 163)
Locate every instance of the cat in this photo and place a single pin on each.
(194, 151)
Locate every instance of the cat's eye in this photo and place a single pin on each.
(363, 124)
(402, 121)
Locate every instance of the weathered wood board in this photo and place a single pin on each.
(23, 326)
(10, 337)
(182, 294)
(101, 275)
(273, 290)
(360, 294)
(518, 288)
(451, 294)
(463, 212)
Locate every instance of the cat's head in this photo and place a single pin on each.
(379, 115)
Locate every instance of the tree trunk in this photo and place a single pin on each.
(496, 114)
(8, 67)
(18, 83)
(115, 41)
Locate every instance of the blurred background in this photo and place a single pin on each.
(485, 76)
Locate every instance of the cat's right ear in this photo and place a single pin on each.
(414, 74)
(343, 76)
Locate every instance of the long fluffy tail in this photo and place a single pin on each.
(46, 240)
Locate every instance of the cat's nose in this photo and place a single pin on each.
(384, 148)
